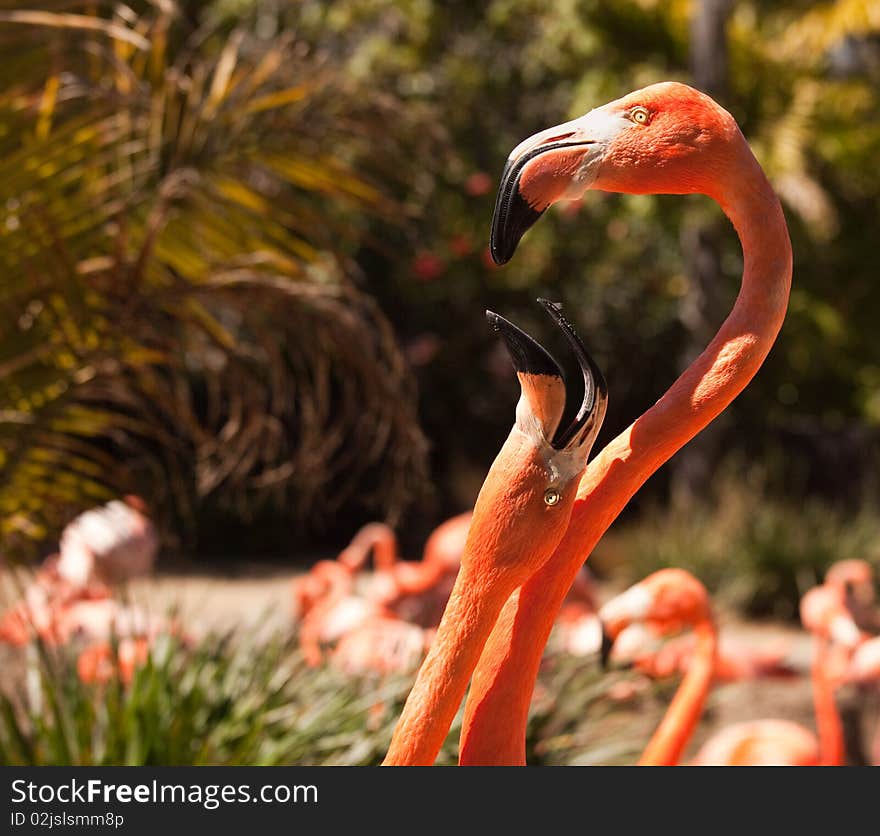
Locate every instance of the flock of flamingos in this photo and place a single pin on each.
(495, 584)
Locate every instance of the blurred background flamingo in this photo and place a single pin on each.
(384, 620)
(671, 600)
(76, 597)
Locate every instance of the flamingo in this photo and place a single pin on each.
(389, 627)
(329, 608)
(520, 514)
(329, 605)
(854, 579)
(383, 642)
(112, 544)
(375, 537)
(672, 599)
(414, 591)
(864, 666)
(825, 614)
(382, 645)
(48, 609)
(71, 598)
(326, 579)
(664, 139)
(91, 618)
(443, 548)
(782, 742)
(99, 549)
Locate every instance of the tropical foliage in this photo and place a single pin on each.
(179, 316)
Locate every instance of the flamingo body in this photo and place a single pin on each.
(760, 743)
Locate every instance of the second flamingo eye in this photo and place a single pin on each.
(552, 496)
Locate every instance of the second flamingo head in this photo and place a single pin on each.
(525, 503)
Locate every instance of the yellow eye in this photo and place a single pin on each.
(552, 496)
(640, 115)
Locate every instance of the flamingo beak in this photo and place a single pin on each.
(620, 613)
(606, 647)
(529, 184)
(545, 388)
(559, 163)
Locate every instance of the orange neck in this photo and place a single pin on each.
(377, 537)
(443, 677)
(828, 722)
(498, 702)
(683, 714)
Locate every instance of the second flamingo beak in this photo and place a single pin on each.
(546, 393)
(606, 648)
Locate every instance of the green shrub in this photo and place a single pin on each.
(222, 701)
(755, 554)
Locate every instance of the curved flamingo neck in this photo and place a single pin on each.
(377, 537)
(828, 722)
(497, 707)
(677, 726)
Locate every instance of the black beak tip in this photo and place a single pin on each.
(550, 306)
(497, 256)
(591, 413)
(527, 355)
(605, 650)
(512, 218)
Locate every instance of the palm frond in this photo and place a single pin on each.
(177, 313)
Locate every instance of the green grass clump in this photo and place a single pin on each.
(237, 701)
(221, 701)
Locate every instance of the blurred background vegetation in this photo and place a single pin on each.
(244, 264)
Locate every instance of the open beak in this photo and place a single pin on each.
(544, 385)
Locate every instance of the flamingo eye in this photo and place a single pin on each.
(552, 496)
(640, 115)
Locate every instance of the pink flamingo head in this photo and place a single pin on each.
(665, 602)
(664, 139)
(855, 578)
(824, 613)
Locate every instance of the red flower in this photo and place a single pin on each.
(461, 246)
(479, 183)
(427, 266)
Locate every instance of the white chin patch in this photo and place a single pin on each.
(633, 639)
(844, 631)
(632, 605)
